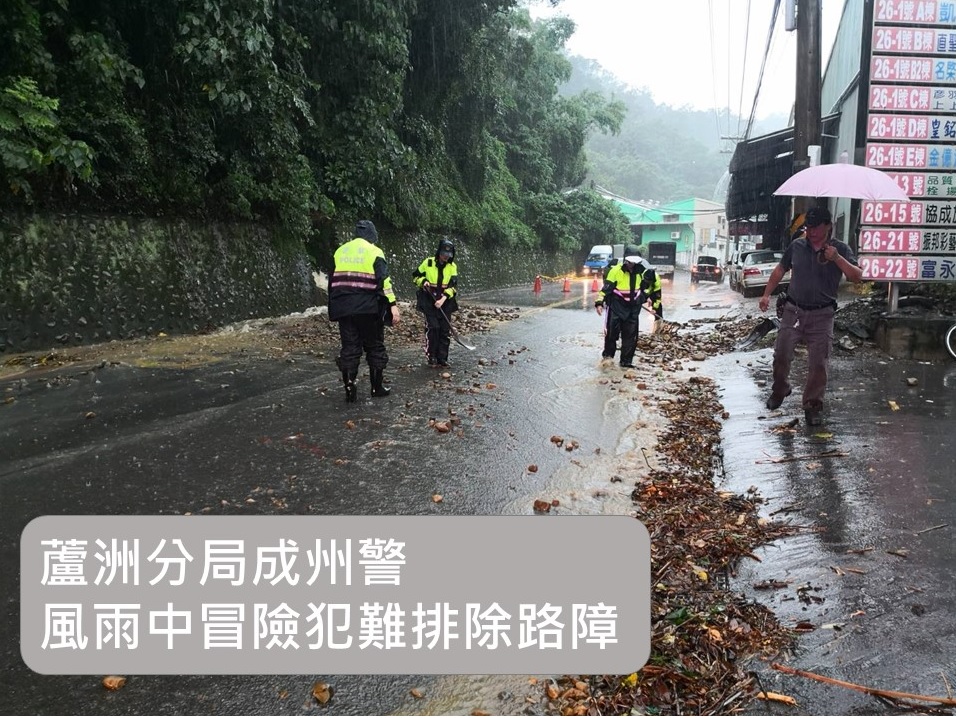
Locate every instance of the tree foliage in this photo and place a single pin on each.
(429, 114)
(660, 153)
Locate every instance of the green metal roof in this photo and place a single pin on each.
(642, 214)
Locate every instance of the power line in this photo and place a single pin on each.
(763, 66)
(713, 67)
(740, 108)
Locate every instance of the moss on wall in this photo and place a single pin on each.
(76, 280)
(84, 279)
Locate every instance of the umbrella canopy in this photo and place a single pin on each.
(843, 180)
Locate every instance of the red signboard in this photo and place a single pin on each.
(911, 127)
(894, 68)
(922, 268)
(916, 40)
(911, 132)
(890, 240)
(921, 12)
(894, 156)
(912, 98)
(890, 268)
(891, 212)
(936, 214)
(926, 184)
(908, 241)
(737, 228)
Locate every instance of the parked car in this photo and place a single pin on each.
(706, 269)
(598, 258)
(751, 272)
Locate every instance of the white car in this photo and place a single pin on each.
(752, 272)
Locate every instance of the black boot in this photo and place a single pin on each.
(378, 388)
(351, 390)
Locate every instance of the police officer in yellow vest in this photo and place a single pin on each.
(361, 300)
(437, 282)
(627, 286)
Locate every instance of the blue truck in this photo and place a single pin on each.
(598, 258)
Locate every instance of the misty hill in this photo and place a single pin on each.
(662, 153)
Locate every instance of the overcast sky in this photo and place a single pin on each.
(694, 52)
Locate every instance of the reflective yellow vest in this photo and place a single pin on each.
(639, 286)
(428, 272)
(358, 280)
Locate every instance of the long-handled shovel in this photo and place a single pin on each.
(759, 332)
(666, 327)
(454, 334)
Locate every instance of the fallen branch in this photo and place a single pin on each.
(785, 459)
(932, 528)
(878, 692)
(787, 508)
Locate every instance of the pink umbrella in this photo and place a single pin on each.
(843, 180)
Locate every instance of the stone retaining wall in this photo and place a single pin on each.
(70, 279)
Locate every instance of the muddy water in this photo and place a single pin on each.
(871, 577)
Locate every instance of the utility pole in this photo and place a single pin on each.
(807, 129)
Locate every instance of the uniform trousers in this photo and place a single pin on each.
(362, 333)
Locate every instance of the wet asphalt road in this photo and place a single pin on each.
(207, 439)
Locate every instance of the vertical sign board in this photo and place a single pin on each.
(911, 135)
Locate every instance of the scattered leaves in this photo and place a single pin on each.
(113, 683)
(322, 692)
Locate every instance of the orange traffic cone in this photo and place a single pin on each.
(567, 284)
(595, 287)
(537, 284)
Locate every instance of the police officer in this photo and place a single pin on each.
(437, 282)
(627, 286)
(361, 300)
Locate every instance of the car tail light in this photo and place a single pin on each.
(751, 272)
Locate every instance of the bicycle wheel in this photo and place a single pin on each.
(951, 341)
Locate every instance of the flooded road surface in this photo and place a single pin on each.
(249, 435)
(246, 436)
(870, 582)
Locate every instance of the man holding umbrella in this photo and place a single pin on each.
(817, 263)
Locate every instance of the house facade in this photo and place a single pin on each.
(696, 226)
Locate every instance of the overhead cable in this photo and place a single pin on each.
(763, 66)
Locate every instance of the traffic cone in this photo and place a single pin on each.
(537, 284)
(567, 284)
(594, 285)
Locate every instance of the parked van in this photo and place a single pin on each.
(598, 258)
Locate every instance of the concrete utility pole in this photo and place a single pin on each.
(807, 129)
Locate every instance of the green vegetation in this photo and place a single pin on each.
(660, 153)
(433, 115)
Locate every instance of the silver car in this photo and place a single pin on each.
(751, 273)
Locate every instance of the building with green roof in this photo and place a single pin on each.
(697, 226)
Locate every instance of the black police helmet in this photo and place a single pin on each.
(446, 247)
